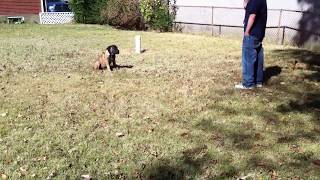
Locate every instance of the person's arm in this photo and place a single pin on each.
(245, 3)
(251, 20)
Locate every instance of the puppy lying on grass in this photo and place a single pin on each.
(104, 62)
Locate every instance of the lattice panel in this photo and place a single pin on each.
(56, 17)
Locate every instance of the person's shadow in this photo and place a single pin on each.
(271, 72)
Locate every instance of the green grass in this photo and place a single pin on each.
(177, 108)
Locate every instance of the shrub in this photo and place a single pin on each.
(156, 14)
(88, 11)
(123, 14)
(128, 14)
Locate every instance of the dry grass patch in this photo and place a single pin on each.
(174, 115)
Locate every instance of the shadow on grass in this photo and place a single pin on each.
(162, 170)
(308, 103)
(310, 58)
(198, 163)
(305, 100)
(291, 138)
(271, 72)
(258, 161)
(294, 96)
(245, 139)
(192, 163)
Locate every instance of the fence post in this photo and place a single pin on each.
(283, 35)
(40, 17)
(42, 8)
(212, 11)
(279, 24)
(220, 30)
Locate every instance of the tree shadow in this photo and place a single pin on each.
(162, 170)
(289, 138)
(308, 103)
(310, 58)
(189, 165)
(259, 161)
(308, 64)
(242, 137)
(198, 163)
(309, 22)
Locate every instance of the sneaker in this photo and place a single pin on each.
(259, 85)
(241, 86)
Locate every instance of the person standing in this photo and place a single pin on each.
(255, 23)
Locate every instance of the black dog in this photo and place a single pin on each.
(113, 51)
(104, 62)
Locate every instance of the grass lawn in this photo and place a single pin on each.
(174, 115)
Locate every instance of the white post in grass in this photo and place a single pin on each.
(138, 44)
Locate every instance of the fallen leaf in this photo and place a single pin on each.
(274, 175)
(296, 148)
(51, 175)
(4, 114)
(24, 170)
(116, 172)
(119, 134)
(146, 118)
(151, 130)
(86, 177)
(249, 176)
(4, 177)
(185, 134)
(316, 162)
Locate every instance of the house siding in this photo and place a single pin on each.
(20, 7)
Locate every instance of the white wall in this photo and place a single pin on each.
(273, 4)
(236, 16)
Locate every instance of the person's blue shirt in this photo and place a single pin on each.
(259, 8)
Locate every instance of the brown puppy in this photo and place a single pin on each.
(107, 62)
(102, 62)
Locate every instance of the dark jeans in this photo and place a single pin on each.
(252, 61)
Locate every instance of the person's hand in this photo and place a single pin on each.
(246, 34)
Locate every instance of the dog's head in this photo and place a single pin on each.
(113, 50)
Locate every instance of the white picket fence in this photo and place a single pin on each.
(56, 17)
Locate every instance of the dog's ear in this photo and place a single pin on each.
(109, 49)
(117, 50)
